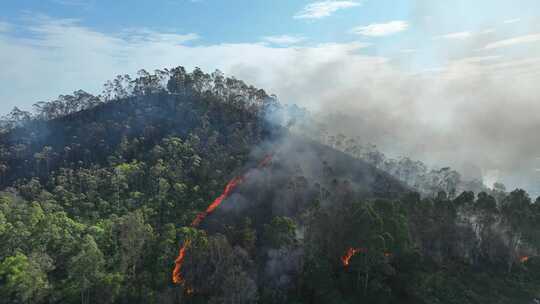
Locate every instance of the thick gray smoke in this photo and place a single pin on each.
(489, 123)
(474, 107)
(455, 90)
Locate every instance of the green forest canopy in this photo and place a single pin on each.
(99, 193)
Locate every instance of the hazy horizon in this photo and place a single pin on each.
(447, 83)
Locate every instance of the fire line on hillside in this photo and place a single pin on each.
(229, 188)
(346, 258)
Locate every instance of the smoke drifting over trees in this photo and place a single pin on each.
(100, 193)
(469, 98)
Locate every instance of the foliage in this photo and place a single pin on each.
(100, 191)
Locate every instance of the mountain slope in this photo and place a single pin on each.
(99, 195)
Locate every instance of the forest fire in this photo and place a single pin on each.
(213, 206)
(524, 259)
(177, 275)
(265, 162)
(345, 259)
(229, 188)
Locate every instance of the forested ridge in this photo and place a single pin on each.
(99, 193)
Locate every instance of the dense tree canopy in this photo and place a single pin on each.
(99, 192)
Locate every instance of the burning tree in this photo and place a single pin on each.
(177, 276)
(359, 239)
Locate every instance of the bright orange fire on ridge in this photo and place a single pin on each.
(229, 188)
(177, 276)
(345, 259)
(213, 206)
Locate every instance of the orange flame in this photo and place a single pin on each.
(177, 275)
(213, 206)
(231, 185)
(524, 259)
(345, 259)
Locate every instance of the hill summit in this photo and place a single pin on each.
(103, 196)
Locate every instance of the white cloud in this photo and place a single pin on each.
(510, 21)
(158, 37)
(321, 9)
(513, 41)
(479, 59)
(457, 35)
(74, 57)
(464, 35)
(381, 101)
(284, 39)
(381, 29)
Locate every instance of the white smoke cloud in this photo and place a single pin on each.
(478, 105)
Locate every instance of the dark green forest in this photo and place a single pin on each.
(98, 194)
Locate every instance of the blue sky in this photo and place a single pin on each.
(284, 23)
(244, 21)
(445, 81)
(214, 20)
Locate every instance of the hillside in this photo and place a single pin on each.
(99, 195)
